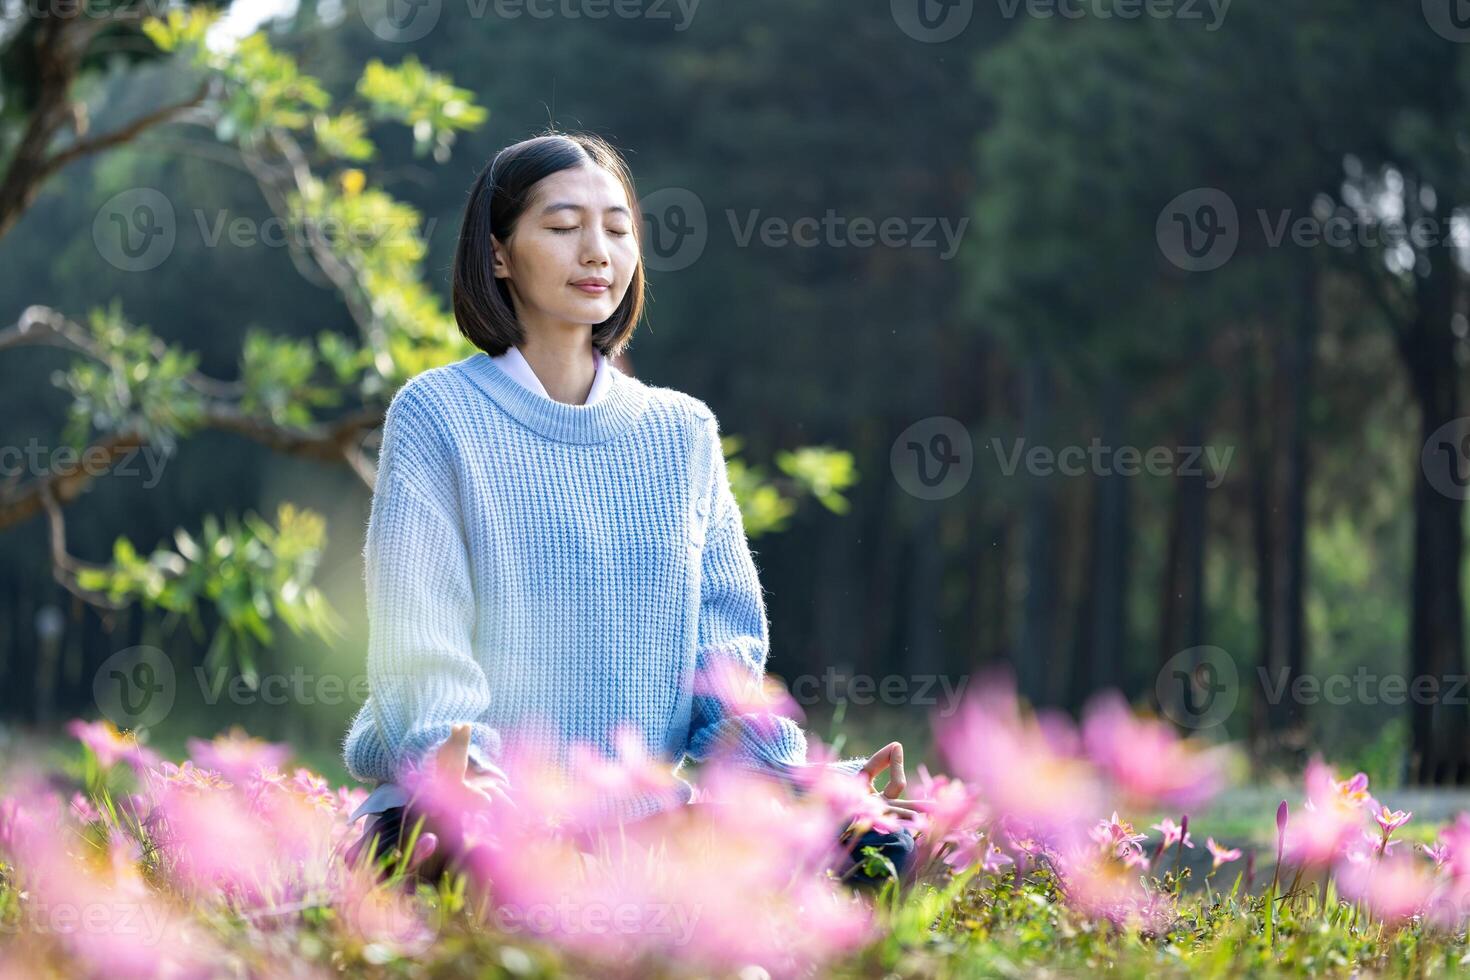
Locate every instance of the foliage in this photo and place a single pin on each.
(250, 572)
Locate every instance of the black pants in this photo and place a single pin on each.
(391, 826)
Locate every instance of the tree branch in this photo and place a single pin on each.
(43, 326)
(123, 134)
(337, 441)
(60, 44)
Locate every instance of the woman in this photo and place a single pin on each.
(554, 552)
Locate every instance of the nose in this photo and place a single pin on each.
(595, 250)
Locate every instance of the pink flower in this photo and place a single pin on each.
(237, 756)
(1146, 760)
(995, 859)
(1394, 890)
(1391, 821)
(129, 930)
(83, 810)
(1369, 847)
(1354, 792)
(737, 879)
(1438, 853)
(1105, 889)
(1331, 818)
(1028, 767)
(1117, 837)
(743, 690)
(1172, 832)
(1222, 855)
(188, 775)
(109, 745)
(1455, 838)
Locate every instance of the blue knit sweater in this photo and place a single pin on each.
(551, 572)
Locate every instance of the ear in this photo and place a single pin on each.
(500, 263)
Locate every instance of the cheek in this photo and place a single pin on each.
(543, 260)
(629, 259)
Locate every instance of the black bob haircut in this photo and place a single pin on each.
(500, 195)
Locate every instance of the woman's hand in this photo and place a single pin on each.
(467, 787)
(890, 758)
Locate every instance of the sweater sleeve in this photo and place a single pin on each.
(733, 644)
(422, 675)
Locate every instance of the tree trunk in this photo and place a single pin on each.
(1036, 649)
(1103, 611)
(1438, 751)
(1182, 601)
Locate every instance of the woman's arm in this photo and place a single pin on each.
(733, 643)
(423, 679)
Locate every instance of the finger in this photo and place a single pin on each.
(889, 757)
(453, 757)
(877, 762)
(922, 805)
(905, 812)
(897, 782)
(480, 793)
(495, 788)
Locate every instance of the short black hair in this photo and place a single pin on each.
(501, 193)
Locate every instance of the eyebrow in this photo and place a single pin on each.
(568, 206)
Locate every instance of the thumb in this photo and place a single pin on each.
(453, 757)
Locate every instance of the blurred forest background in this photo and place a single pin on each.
(1098, 230)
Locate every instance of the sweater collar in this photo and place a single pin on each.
(617, 409)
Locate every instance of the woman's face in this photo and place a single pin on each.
(578, 226)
